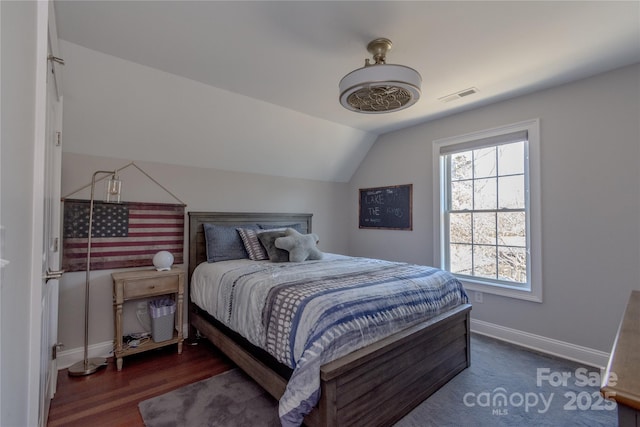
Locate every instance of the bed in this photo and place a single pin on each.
(374, 385)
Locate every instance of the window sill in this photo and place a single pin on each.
(505, 291)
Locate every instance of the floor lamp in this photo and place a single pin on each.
(88, 366)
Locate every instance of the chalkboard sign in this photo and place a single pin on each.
(386, 207)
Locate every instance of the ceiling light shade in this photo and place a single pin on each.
(380, 87)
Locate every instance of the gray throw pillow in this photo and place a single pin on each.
(296, 226)
(224, 242)
(268, 238)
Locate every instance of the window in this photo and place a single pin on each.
(487, 198)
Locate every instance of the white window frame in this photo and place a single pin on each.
(532, 292)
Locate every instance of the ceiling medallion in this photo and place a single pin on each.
(380, 87)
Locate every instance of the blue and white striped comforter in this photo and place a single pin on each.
(310, 313)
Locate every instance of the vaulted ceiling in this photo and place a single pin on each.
(292, 54)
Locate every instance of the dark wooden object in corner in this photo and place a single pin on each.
(622, 380)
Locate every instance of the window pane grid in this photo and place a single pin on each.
(486, 213)
(486, 210)
(500, 176)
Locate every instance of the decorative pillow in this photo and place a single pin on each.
(252, 244)
(224, 242)
(301, 247)
(297, 226)
(268, 238)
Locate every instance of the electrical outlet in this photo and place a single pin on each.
(478, 297)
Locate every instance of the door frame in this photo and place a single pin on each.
(37, 226)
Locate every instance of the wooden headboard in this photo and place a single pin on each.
(197, 247)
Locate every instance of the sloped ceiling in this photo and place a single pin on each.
(272, 68)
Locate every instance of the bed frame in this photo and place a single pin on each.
(374, 386)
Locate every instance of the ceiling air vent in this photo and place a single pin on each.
(458, 95)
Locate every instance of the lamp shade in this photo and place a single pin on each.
(163, 260)
(380, 88)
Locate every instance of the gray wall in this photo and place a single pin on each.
(201, 190)
(16, 207)
(590, 161)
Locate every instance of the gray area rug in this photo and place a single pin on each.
(505, 386)
(229, 399)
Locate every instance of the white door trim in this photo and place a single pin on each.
(35, 321)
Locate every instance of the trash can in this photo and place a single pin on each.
(162, 318)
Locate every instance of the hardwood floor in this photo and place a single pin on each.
(110, 398)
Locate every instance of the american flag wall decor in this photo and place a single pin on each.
(126, 234)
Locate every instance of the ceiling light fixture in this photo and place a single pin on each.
(380, 87)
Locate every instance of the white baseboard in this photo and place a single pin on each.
(67, 358)
(565, 350)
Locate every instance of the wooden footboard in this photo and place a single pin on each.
(379, 384)
(376, 385)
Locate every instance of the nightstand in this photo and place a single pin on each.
(131, 285)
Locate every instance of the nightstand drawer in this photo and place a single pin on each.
(150, 286)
